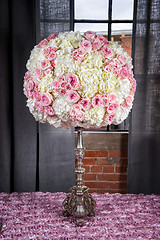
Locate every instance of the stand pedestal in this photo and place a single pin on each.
(79, 203)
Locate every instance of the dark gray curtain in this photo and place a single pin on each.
(144, 137)
(32, 156)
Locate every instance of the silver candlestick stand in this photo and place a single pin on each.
(79, 203)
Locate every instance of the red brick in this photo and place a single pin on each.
(87, 168)
(113, 191)
(89, 161)
(108, 169)
(117, 191)
(94, 190)
(103, 161)
(123, 177)
(124, 161)
(96, 169)
(117, 185)
(109, 177)
(118, 154)
(121, 169)
(99, 185)
(91, 153)
(89, 177)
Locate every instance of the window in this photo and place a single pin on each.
(112, 18)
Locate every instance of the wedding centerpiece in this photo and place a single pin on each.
(74, 80)
(83, 81)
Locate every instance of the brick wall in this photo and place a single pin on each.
(105, 162)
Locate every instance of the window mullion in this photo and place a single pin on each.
(72, 15)
(110, 19)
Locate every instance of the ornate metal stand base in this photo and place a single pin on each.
(79, 203)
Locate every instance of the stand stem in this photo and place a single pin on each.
(79, 203)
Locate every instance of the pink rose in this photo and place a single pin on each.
(38, 72)
(124, 105)
(49, 111)
(86, 45)
(28, 93)
(48, 72)
(27, 75)
(76, 113)
(112, 107)
(129, 100)
(97, 44)
(85, 103)
(105, 100)
(46, 51)
(57, 90)
(97, 101)
(61, 78)
(107, 52)
(62, 91)
(63, 85)
(43, 43)
(52, 36)
(39, 107)
(117, 71)
(46, 99)
(107, 61)
(123, 73)
(68, 87)
(130, 73)
(133, 81)
(112, 97)
(108, 118)
(78, 55)
(122, 59)
(30, 85)
(53, 49)
(117, 62)
(72, 96)
(52, 55)
(52, 62)
(108, 69)
(80, 116)
(89, 35)
(73, 80)
(36, 81)
(74, 109)
(56, 84)
(45, 64)
(36, 94)
(60, 85)
(103, 39)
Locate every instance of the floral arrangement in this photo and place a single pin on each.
(75, 80)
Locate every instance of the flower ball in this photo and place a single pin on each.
(79, 80)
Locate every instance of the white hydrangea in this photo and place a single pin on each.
(121, 115)
(35, 59)
(95, 116)
(46, 84)
(61, 108)
(122, 89)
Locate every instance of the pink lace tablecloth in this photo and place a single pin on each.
(39, 216)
